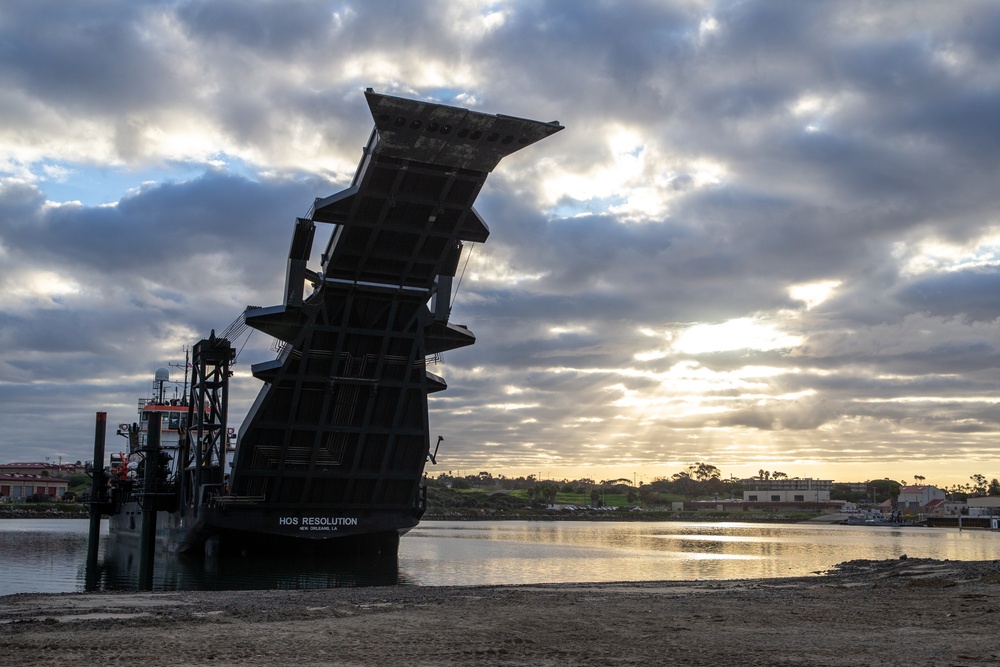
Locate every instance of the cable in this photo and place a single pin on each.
(459, 284)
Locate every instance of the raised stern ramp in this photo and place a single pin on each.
(341, 423)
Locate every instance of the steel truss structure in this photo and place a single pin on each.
(341, 422)
(333, 449)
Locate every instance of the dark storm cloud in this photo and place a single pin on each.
(85, 59)
(148, 232)
(278, 29)
(974, 294)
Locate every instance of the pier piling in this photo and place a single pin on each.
(147, 536)
(97, 485)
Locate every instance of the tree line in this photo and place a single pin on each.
(699, 480)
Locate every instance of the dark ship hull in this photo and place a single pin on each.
(332, 452)
(254, 530)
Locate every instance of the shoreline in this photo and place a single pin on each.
(907, 611)
(77, 512)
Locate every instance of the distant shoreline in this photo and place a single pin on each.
(9, 511)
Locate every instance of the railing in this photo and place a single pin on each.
(224, 501)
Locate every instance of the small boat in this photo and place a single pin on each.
(877, 518)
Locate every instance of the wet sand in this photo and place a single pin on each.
(905, 612)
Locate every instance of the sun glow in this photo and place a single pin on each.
(813, 294)
(572, 329)
(937, 255)
(605, 178)
(36, 285)
(740, 334)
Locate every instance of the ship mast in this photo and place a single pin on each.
(186, 367)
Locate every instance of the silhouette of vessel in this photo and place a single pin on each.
(332, 452)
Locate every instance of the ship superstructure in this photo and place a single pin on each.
(332, 451)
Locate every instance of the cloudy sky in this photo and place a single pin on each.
(769, 236)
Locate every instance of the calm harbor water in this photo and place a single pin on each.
(49, 555)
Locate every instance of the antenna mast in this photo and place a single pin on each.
(186, 366)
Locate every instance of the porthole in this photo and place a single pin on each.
(415, 125)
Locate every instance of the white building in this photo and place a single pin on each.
(912, 498)
(17, 488)
(786, 490)
(984, 505)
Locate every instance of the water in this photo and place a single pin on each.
(447, 553)
(49, 555)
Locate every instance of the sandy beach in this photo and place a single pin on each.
(903, 612)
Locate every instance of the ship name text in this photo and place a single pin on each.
(317, 522)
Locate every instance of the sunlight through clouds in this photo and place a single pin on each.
(706, 172)
(688, 389)
(507, 407)
(815, 110)
(615, 175)
(26, 290)
(813, 294)
(742, 333)
(488, 267)
(569, 329)
(707, 26)
(935, 254)
(429, 72)
(650, 356)
(476, 19)
(637, 182)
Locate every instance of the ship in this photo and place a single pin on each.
(331, 454)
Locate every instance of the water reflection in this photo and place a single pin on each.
(119, 570)
(524, 552)
(50, 555)
(35, 554)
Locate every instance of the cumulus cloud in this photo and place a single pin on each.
(766, 238)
